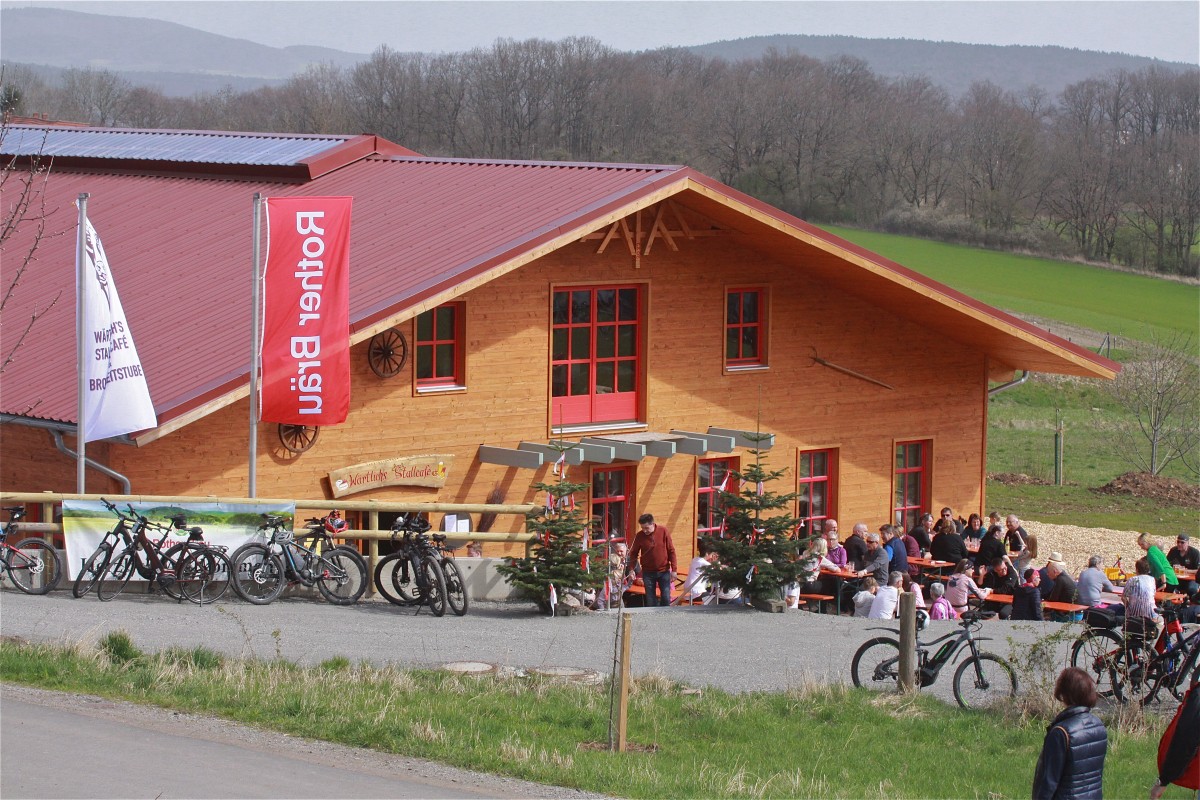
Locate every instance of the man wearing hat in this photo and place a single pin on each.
(1063, 589)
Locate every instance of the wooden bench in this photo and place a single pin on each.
(819, 599)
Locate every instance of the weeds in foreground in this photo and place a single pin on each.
(806, 742)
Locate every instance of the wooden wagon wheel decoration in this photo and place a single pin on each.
(387, 353)
(298, 438)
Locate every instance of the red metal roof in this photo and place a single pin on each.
(180, 253)
(179, 248)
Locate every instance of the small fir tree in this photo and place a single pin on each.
(557, 558)
(757, 552)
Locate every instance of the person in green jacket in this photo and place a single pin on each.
(1160, 568)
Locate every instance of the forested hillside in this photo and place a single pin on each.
(1108, 170)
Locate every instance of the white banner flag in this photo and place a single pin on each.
(116, 397)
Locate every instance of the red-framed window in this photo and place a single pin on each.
(912, 482)
(439, 347)
(612, 504)
(816, 487)
(745, 327)
(595, 354)
(713, 475)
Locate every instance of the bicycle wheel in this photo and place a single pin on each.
(202, 574)
(876, 665)
(435, 591)
(341, 575)
(1101, 654)
(394, 580)
(456, 590)
(117, 574)
(92, 569)
(983, 680)
(257, 574)
(34, 567)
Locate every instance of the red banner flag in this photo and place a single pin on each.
(306, 311)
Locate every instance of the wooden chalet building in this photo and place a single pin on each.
(648, 312)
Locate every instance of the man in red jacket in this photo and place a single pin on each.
(654, 547)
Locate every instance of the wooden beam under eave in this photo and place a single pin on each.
(508, 457)
(571, 455)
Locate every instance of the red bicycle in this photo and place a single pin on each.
(33, 565)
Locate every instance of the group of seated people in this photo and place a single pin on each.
(999, 561)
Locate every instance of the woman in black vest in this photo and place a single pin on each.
(1071, 766)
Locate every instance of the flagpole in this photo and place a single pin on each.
(81, 345)
(255, 345)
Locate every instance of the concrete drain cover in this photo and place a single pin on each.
(470, 668)
(569, 674)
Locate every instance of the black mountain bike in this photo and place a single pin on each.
(120, 536)
(1125, 664)
(980, 680)
(262, 569)
(32, 564)
(413, 574)
(191, 570)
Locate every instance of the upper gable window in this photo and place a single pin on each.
(595, 354)
(745, 327)
(439, 345)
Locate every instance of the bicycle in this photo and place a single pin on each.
(982, 679)
(413, 575)
(96, 564)
(261, 570)
(1128, 664)
(193, 569)
(33, 565)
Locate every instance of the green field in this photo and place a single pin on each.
(1104, 300)
(1021, 421)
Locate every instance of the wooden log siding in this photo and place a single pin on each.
(940, 395)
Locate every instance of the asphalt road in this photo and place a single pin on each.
(734, 649)
(55, 745)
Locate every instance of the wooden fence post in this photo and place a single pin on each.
(908, 641)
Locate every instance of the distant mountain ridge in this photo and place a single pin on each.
(181, 61)
(952, 65)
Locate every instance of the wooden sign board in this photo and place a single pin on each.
(408, 471)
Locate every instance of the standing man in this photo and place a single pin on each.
(656, 551)
(1019, 552)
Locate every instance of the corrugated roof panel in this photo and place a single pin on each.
(185, 147)
(179, 249)
(180, 253)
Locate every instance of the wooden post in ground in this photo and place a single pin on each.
(623, 681)
(908, 641)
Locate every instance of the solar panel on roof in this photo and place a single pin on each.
(177, 146)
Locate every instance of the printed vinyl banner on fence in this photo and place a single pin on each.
(230, 525)
(305, 353)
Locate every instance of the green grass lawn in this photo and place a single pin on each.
(1105, 300)
(1021, 421)
(812, 741)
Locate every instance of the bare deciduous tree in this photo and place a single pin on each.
(22, 185)
(1160, 388)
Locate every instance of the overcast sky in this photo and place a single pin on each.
(1166, 30)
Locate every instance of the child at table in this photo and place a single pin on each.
(912, 586)
(1027, 598)
(940, 608)
(865, 596)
